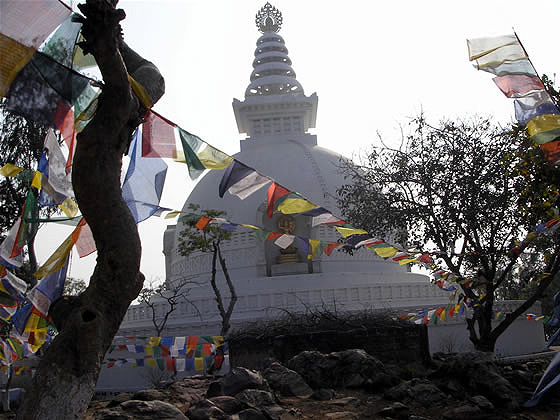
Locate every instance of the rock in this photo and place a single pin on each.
(323, 394)
(256, 397)
(413, 417)
(241, 378)
(144, 410)
(286, 381)
(482, 402)
(148, 395)
(252, 414)
(227, 404)
(395, 410)
(341, 415)
(422, 391)
(348, 368)
(215, 389)
(345, 401)
(111, 414)
(464, 412)
(120, 398)
(206, 410)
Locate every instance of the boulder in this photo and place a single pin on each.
(206, 410)
(148, 395)
(286, 381)
(241, 378)
(422, 391)
(141, 410)
(256, 397)
(252, 414)
(229, 405)
(323, 394)
(349, 368)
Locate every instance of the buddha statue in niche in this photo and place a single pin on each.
(287, 225)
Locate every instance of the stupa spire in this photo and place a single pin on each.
(272, 68)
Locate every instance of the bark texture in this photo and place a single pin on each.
(66, 377)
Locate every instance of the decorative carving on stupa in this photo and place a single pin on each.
(268, 19)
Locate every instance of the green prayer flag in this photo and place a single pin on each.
(260, 235)
(191, 145)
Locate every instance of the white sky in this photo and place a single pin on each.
(374, 65)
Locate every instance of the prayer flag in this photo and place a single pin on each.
(213, 158)
(49, 289)
(386, 252)
(512, 67)
(61, 44)
(158, 137)
(85, 244)
(544, 128)
(551, 151)
(58, 258)
(31, 22)
(303, 245)
(9, 245)
(296, 205)
(284, 241)
(348, 231)
(198, 363)
(10, 170)
(479, 47)
(191, 145)
(518, 85)
(331, 246)
(314, 244)
(275, 191)
(14, 57)
(143, 183)
(203, 222)
(240, 180)
(180, 365)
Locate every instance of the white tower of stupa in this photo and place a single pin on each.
(276, 116)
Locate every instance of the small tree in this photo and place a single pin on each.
(208, 240)
(458, 187)
(172, 295)
(74, 286)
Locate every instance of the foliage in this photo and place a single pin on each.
(460, 187)
(168, 295)
(21, 145)
(208, 240)
(74, 286)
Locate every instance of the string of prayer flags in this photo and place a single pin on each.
(517, 78)
(199, 155)
(10, 253)
(11, 287)
(321, 216)
(241, 180)
(348, 231)
(143, 183)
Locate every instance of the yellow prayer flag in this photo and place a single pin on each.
(173, 214)
(218, 340)
(140, 92)
(9, 169)
(151, 362)
(442, 315)
(148, 350)
(544, 128)
(56, 260)
(346, 232)
(251, 227)
(154, 341)
(296, 205)
(386, 252)
(14, 57)
(37, 180)
(407, 261)
(198, 363)
(314, 243)
(69, 207)
(212, 158)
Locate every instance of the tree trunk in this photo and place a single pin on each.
(65, 380)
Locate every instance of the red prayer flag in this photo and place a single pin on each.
(203, 222)
(170, 364)
(158, 137)
(331, 247)
(551, 151)
(517, 85)
(275, 191)
(273, 235)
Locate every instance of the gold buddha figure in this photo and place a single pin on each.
(287, 225)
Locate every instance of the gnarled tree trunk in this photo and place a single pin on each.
(66, 377)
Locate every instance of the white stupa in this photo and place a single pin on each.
(276, 116)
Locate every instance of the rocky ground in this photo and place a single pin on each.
(349, 384)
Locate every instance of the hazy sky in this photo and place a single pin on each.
(374, 65)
